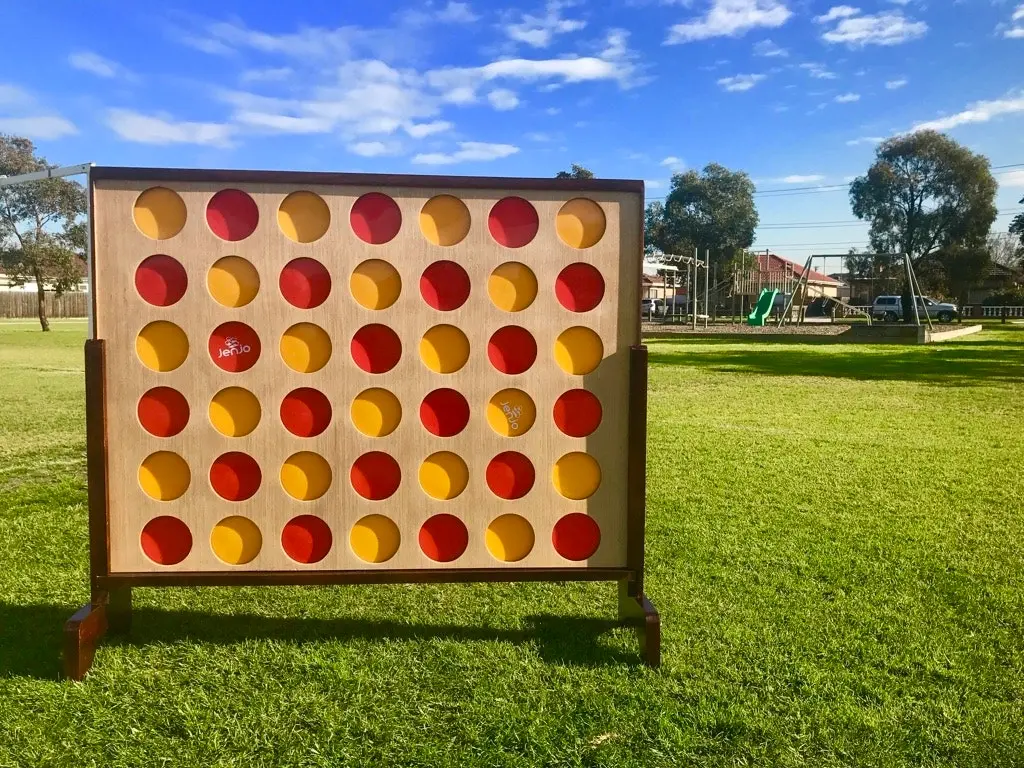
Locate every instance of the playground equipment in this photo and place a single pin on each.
(319, 378)
(765, 302)
(692, 301)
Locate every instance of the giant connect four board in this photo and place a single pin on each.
(335, 372)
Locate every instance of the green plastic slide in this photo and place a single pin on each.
(764, 306)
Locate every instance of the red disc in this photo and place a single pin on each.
(376, 348)
(305, 283)
(235, 476)
(163, 411)
(375, 475)
(443, 538)
(306, 539)
(375, 218)
(305, 412)
(232, 215)
(510, 475)
(579, 287)
(577, 412)
(513, 222)
(576, 536)
(234, 347)
(166, 540)
(444, 412)
(444, 285)
(512, 349)
(161, 280)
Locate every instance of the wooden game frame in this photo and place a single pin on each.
(110, 606)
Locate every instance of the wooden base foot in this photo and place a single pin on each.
(82, 632)
(636, 609)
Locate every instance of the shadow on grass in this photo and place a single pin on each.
(967, 364)
(31, 635)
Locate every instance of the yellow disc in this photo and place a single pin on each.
(576, 475)
(444, 349)
(303, 217)
(512, 286)
(376, 412)
(306, 476)
(164, 476)
(235, 412)
(580, 223)
(305, 347)
(374, 539)
(509, 538)
(236, 540)
(159, 213)
(233, 281)
(578, 350)
(375, 284)
(444, 220)
(511, 413)
(443, 475)
(161, 346)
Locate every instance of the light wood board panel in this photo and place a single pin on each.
(121, 314)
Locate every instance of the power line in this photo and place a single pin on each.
(846, 222)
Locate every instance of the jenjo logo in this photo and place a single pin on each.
(512, 413)
(232, 346)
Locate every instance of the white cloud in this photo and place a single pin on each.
(422, 130)
(894, 85)
(539, 136)
(38, 127)
(540, 31)
(469, 151)
(730, 18)
(372, 148)
(673, 162)
(798, 179)
(552, 111)
(856, 30)
(1015, 29)
(818, 71)
(653, 184)
(847, 98)
(738, 83)
(270, 75)
(865, 140)
(457, 13)
(503, 99)
(769, 49)
(147, 129)
(978, 112)
(12, 94)
(1011, 179)
(94, 64)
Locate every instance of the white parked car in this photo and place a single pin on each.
(890, 308)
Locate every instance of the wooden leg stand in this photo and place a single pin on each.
(82, 632)
(636, 609)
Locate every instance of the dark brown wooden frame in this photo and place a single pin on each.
(110, 606)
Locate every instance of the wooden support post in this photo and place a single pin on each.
(636, 610)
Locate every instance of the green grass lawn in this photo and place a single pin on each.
(835, 543)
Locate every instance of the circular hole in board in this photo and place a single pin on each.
(443, 475)
(444, 220)
(577, 413)
(375, 348)
(161, 346)
(509, 538)
(159, 213)
(233, 281)
(306, 412)
(579, 287)
(376, 412)
(161, 280)
(305, 283)
(576, 475)
(444, 349)
(306, 476)
(236, 540)
(511, 412)
(513, 222)
(578, 350)
(232, 215)
(580, 223)
(164, 476)
(166, 540)
(306, 347)
(444, 412)
(375, 476)
(303, 217)
(512, 349)
(374, 539)
(163, 412)
(235, 476)
(444, 285)
(375, 218)
(443, 538)
(234, 347)
(375, 284)
(510, 475)
(576, 536)
(512, 286)
(306, 539)
(235, 412)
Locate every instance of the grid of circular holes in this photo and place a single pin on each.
(166, 540)
(236, 540)
(306, 412)
(374, 539)
(235, 476)
(232, 215)
(444, 285)
(443, 538)
(375, 348)
(303, 217)
(444, 220)
(579, 287)
(512, 286)
(576, 537)
(444, 349)
(163, 412)
(233, 281)
(161, 346)
(512, 349)
(305, 347)
(375, 284)
(159, 213)
(235, 412)
(376, 412)
(375, 218)
(513, 222)
(375, 475)
(234, 347)
(444, 412)
(306, 539)
(305, 283)
(161, 280)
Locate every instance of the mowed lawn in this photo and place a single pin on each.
(835, 543)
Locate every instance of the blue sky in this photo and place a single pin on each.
(795, 92)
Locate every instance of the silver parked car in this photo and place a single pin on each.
(890, 308)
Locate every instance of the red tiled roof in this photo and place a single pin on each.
(770, 262)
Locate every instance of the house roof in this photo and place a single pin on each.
(768, 262)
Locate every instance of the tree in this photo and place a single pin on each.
(964, 268)
(41, 238)
(1006, 249)
(1017, 230)
(925, 192)
(711, 210)
(576, 172)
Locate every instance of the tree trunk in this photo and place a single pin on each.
(908, 303)
(44, 322)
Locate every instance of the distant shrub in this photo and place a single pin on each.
(1008, 299)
